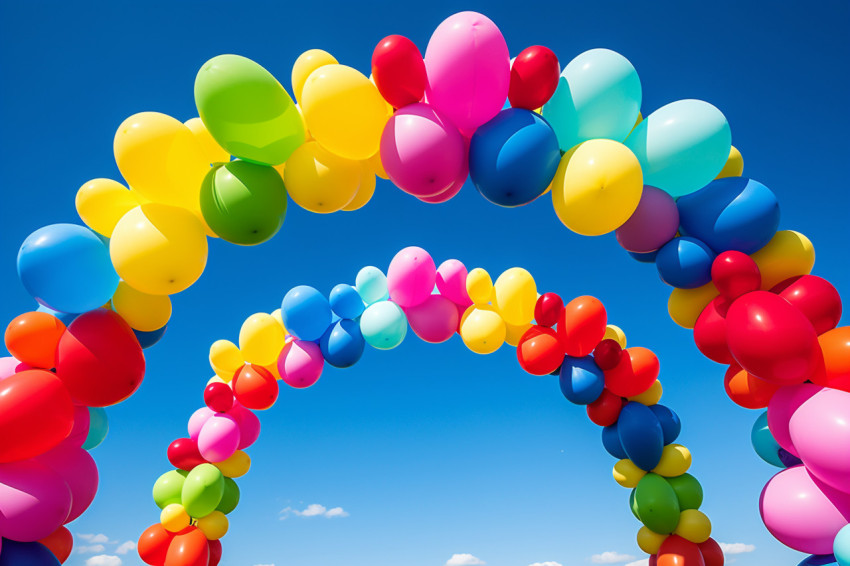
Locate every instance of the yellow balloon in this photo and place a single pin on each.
(615, 333)
(174, 518)
(734, 165)
(225, 359)
(236, 466)
(651, 396)
(210, 149)
(627, 474)
(215, 379)
(675, 461)
(685, 305)
(159, 249)
(365, 191)
(344, 111)
(214, 526)
(306, 63)
(597, 187)
(377, 165)
(102, 202)
(261, 339)
(515, 296)
(142, 312)
(694, 525)
(279, 319)
(650, 541)
(479, 286)
(513, 333)
(320, 181)
(787, 254)
(483, 330)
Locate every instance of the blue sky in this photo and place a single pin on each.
(430, 450)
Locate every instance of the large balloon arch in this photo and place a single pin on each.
(670, 185)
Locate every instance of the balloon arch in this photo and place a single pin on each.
(670, 186)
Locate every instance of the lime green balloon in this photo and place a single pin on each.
(202, 490)
(168, 488)
(230, 499)
(657, 504)
(688, 491)
(247, 110)
(243, 203)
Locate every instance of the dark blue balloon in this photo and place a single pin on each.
(346, 302)
(788, 460)
(611, 441)
(732, 213)
(670, 423)
(641, 435)
(581, 380)
(644, 258)
(685, 263)
(306, 313)
(16, 553)
(342, 344)
(513, 157)
(148, 339)
(819, 560)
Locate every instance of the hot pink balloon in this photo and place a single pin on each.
(782, 406)
(249, 425)
(77, 468)
(219, 438)
(197, 420)
(411, 277)
(653, 223)
(434, 320)
(451, 282)
(300, 363)
(802, 512)
(34, 500)
(469, 69)
(820, 431)
(81, 427)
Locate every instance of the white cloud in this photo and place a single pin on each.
(125, 547)
(336, 512)
(644, 562)
(464, 560)
(91, 549)
(550, 563)
(98, 538)
(103, 560)
(610, 557)
(314, 510)
(736, 547)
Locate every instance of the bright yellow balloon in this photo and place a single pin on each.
(651, 396)
(141, 311)
(627, 474)
(515, 296)
(479, 286)
(787, 254)
(210, 149)
(675, 461)
(319, 181)
(225, 359)
(236, 466)
(102, 202)
(615, 333)
(344, 111)
(734, 165)
(513, 333)
(377, 165)
(214, 526)
(279, 319)
(483, 330)
(597, 187)
(261, 339)
(365, 191)
(694, 525)
(159, 249)
(306, 63)
(685, 305)
(174, 518)
(650, 541)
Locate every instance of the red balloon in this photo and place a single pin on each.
(36, 414)
(399, 71)
(815, 297)
(153, 545)
(215, 552)
(653, 560)
(183, 453)
(582, 325)
(677, 551)
(771, 339)
(539, 351)
(32, 338)
(735, 273)
(218, 397)
(255, 387)
(712, 554)
(534, 77)
(188, 548)
(748, 390)
(606, 409)
(607, 354)
(548, 309)
(637, 370)
(710, 333)
(99, 359)
(60, 542)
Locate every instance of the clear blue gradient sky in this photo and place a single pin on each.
(431, 450)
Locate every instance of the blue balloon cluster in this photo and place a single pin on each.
(641, 433)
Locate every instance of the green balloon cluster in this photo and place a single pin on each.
(688, 491)
(202, 490)
(655, 504)
(230, 498)
(168, 488)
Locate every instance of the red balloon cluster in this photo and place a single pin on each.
(678, 551)
(188, 547)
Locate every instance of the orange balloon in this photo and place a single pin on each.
(637, 371)
(712, 554)
(835, 345)
(582, 325)
(32, 338)
(60, 542)
(188, 548)
(677, 551)
(747, 390)
(153, 544)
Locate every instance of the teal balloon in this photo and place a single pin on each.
(841, 546)
(656, 504)
(98, 427)
(371, 283)
(168, 488)
(682, 146)
(383, 325)
(202, 490)
(763, 442)
(230, 497)
(688, 491)
(598, 96)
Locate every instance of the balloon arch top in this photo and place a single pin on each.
(670, 185)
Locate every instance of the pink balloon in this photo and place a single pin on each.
(451, 282)
(197, 420)
(249, 425)
(802, 512)
(782, 406)
(77, 468)
(469, 69)
(219, 438)
(81, 427)
(820, 431)
(300, 363)
(411, 277)
(653, 223)
(434, 320)
(9, 366)
(34, 500)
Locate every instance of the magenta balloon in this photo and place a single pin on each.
(197, 420)
(81, 427)
(422, 151)
(469, 69)
(820, 431)
(451, 282)
(411, 277)
(249, 425)
(300, 363)
(653, 223)
(34, 500)
(802, 512)
(77, 468)
(782, 406)
(435, 320)
(219, 438)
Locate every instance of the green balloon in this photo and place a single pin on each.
(168, 488)
(688, 491)
(243, 203)
(247, 110)
(633, 505)
(202, 490)
(657, 504)
(230, 499)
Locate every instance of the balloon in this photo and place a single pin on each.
(670, 423)
(657, 505)
(615, 333)
(644, 258)
(675, 461)
(66, 317)
(153, 544)
(261, 339)
(814, 296)
(247, 111)
(411, 277)
(835, 345)
(78, 470)
(634, 374)
(694, 526)
(32, 338)
(782, 407)
(763, 442)
(819, 560)
(183, 453)
(212, 152)
(468, 68)
(371, 284)
(306, 63)
(306, 312)
(597, 187)
(479, 286)
(216, 550)
(651, 396)
(214, 526)
(607, 354)
(218, 438)
(678, 551)
(202, 490)
(515, 296)
(342, 344)
(67, 268)
(627, 474)
(547, 309)
(255, 387)
(141, 311)
(841, 546)
(29, 553)
(685, 263)
(581, 380)
(482, 329)
(654, 222)
(787, 254)
(688, 491)
(682, 146)
(346, 302)
(197, 420)
(735, 273)
(321, 181)
(649, 541)
(365, 190)
(435, 320)
(748, 390)
(300, 363)
(225, 359)
(598, 96)
(60, 542)
(818, 428)
(383, 325)
(159, 249)
(174, 518)
(235, 466)
(641, 436)
(734, 168)
(606, 409)
(582, 325)
(34, 501)
(249, 425)
(168, 488)
(98, 427)
(540, 352)
(399, 71)
(230, 499)
(685, 305)
(710, 332)
(218, 397)
(611, 442)
(534, 77)
(188, 548)
(451, 282)
(99, 359)
(456, 185)
(513, 157)
(102, 202)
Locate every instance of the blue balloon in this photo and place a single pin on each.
(513, 157)
(670, 423)
(305, 312)
(611, 442)
(641, 435)
(841, 546)
(98, 427)
(788, 460)
(581, 380)
(645, 258)
(67, 268)
(732, 213)
(685, 263)
(342, 344)
(148, 339)
(16, 553)
(763, 442)
(819, 560)
(66, 317)
(346, 302)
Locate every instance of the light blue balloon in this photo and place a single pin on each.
(841, 546)
(98, 427)
(383, 325)
(763, 442)
(346, 302)
(682, 146)
(598, 96)
(371, 283)
(306, 312)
